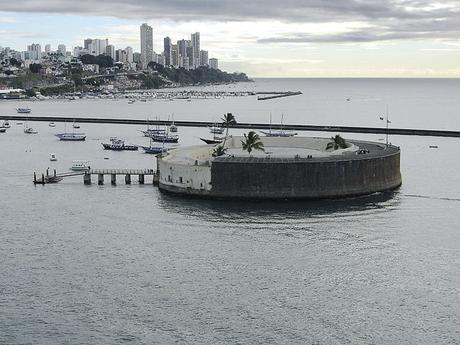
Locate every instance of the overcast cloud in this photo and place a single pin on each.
(391, 19)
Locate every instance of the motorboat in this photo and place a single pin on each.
(30, 130)
(119, 145)
(53, 157)
(173, 128)
(52, 124)
(80, 165)
(2, 129)
(148, 132)
(6, 124)
(131, 101)
(71, 136)
(76, 125)
(23, 110)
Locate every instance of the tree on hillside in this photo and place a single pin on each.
(35, 67)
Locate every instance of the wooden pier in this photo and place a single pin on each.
(46, 178)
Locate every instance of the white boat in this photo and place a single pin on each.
(278, 132)
(80, 165)
(6, 124)
(30, 130)
(53, 157)
(71, 136)
(52, 124)
(23, 110)
(75, 125)
(216, 130)
(2, 129)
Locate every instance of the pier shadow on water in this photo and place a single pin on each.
(238, 209)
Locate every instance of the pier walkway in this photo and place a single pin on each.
(243, 125)
(47, 178)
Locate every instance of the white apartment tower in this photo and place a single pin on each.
(146, 45)
(196, 49)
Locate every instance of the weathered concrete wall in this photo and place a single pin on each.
(321, 178)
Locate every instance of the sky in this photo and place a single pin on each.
(269, 38)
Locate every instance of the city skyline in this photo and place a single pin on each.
(343, 39)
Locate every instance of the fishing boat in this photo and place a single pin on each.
(53, 157)
(23, 110)
(6, 124)
(216, 129)
(80, 165)
(119, 145)
(71, 136)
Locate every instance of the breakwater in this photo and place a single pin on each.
(242, 125)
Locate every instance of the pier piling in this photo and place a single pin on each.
(128, 179)
(141, 179)
(113, 179)
(100, 179)
(87, 179)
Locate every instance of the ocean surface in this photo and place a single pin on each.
(127, 264)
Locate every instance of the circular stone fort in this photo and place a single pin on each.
(289, 168)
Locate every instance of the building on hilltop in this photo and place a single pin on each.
(146, 32)
(213, 63)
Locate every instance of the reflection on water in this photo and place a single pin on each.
(247, 210)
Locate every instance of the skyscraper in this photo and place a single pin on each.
(48, 49)
(196, 49)
(214, 63)
(167, 51)
(146, 44)
(204, 58)
(110, 51)
(62, 49)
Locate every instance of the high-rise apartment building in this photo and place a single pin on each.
(62, 49)
(204, 58)
(129, 54)
(48, 49)
(196, 49)
(34, 51)
(167, 51)
(146, 45)
(214, 63)
(174, 56)
(110, 51)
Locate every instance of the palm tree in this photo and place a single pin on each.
(219, 151)
(227, 121)
(252, 142)
(336, 143)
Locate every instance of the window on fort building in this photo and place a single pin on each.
(180, 180)
(201, 185)
(169, 178)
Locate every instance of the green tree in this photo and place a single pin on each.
(336, 143)
(227, 121)
(35, 67)
(252, 142)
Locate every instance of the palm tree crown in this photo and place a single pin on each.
(336, 143)
(228, 120)
(252, 142)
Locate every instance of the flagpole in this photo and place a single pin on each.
(387, 126)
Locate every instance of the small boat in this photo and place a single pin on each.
(165, 138)
(52, 124)
(6, 124)
(149, 132)
(75, 125)
(2, 129)
(143, 100)
(119, 145)
(131, 101)
(154, 149)
(19, 123)
(216, 130)
(80, 165)
(173, 128)
(23, 110)
(53, 157)
(279, 133)
(433, 146)
(216, 140)
(30, 130)
(71, 136)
